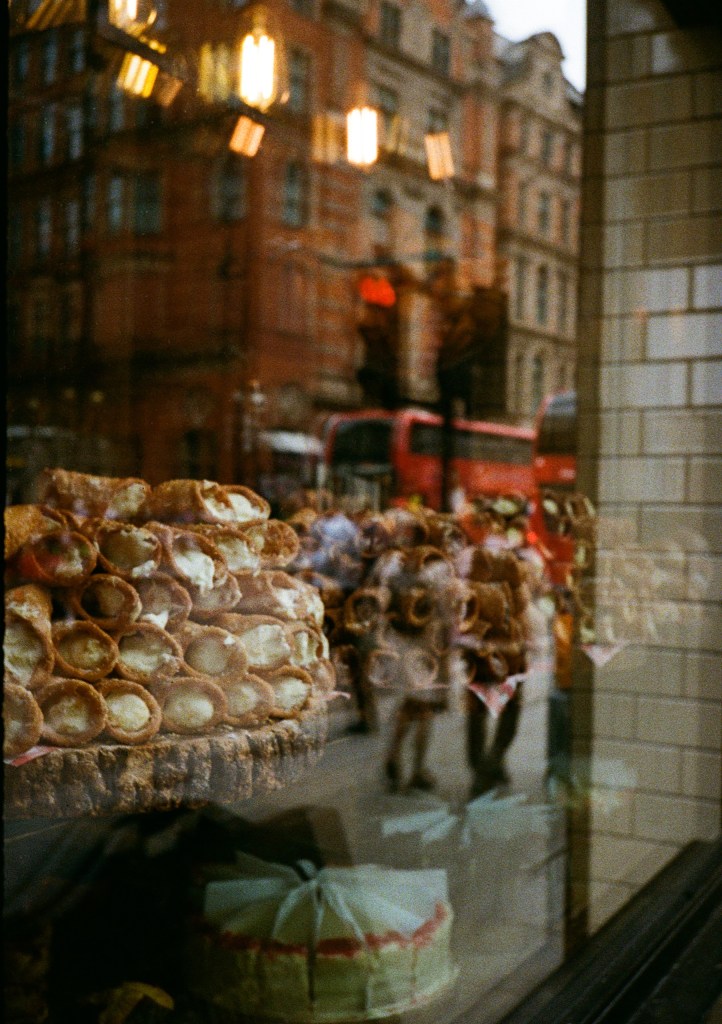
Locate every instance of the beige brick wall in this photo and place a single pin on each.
(650, 388)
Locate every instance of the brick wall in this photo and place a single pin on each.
(649, 383)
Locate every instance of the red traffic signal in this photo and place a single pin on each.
(377, 291)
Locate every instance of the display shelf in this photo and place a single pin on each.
(169, 772)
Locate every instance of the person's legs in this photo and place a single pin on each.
(476, 715)
(506, 730)
(402, 724)
(422, 777)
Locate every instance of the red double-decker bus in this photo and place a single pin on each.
(391, 457)
(555, 476)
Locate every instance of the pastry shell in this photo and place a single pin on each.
(118, 695)
(74, 712)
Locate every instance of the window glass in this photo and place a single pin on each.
(47, 134)
(544, 213)
(44, 228)
(362, 442)
(294, 196)
(77, 50)
(547, 147)
(521, 276)
(148, 204)
(72, 226)
(390, 24)
(49, 57)
(299, 71)
(115, 204)
(440, 52)
(74, 129)
(542, 294)
(229, 195)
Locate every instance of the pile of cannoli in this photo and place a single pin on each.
(574, 517)
(411, 603)
(132, 610)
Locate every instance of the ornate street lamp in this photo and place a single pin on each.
(362, 144)
(261, 66)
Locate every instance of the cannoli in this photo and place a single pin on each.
(131, 552)
(513, 652)
(22, 720)
(347, 664)
(506, 568)
(204, 501)
(74, 713)
(365, 610)
(494, 603)
(133, 713)
(329, 591)
(373, 537)
(102, 496)
(520, 598)
(389, 569)
(27, 643)
(308, 644)
(223, 596)
(190, 557)
(275, 542)
(406, 529)
(416, 607)
(108, 601)
(382, 667)
(83, 651)
(464, 605)
(211, 651)
(164, 601)
(263, 637)
(26, 522)
(274, 592)
(292, 688)
(190, 704)
(238, 550)
(64, 558)
(420, 668)
(446, 534)
(323, 673)
(475, 563)
(249, 700)
(490, 666)
(146, 653)
(431, 564)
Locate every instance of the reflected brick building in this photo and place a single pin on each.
(155, 276)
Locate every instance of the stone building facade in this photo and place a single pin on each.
(143, 252)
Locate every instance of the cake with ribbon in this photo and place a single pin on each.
(309, 945)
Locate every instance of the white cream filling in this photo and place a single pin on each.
(195, 566)
(145, 569)
(68, 715)
(23, 651)
(244, 509)
(237, 553)
(209, 655)
(71, 565)
(241, 699)
(265, 645)
(156, 618)
(304, 648)
(127, 502)
(127, 711)
(189, 708)
(290, 693)
(143, 653)
(83, 651)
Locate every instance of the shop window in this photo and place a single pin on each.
(49, 57)
(440, 52)
(74, 123)
(537, 381)
(148, 205)
(521, 277)
(295, 197)
(43, 228)
(77, 51)
(542, 295)
(115, 212)
(230, 192)
(544, 213)
(390, 24)
(116, 108)
(299, 67)
(547, 147)
(46, 137)
(72, 226)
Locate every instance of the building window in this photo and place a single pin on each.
(381, 205)
(521, 277)
(522, 203)
(434, 230)
(116, 108)
(566, 221)
(116, 204)
(16, 145)
(388, 104)
(21, 62)
(304, 7)
(72, 226)
(298, 79)
(148, 205)
(44, 228)
(47, 135)
(544, 213)
(75, 132)
(71, 313)
(547, 147)
(49, 57)
(229, 200)
(563, 304)
(537, 381)
(390, 24)
(438, 121)
(294, 211)
(568, 157)
(89, 192)
(542, 295)
(440, 52)
(91, 104)
(519, 381)
(77, 51)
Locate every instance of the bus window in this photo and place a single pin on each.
(558, 426)
(359, 441)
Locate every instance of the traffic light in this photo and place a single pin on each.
(379, 328)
